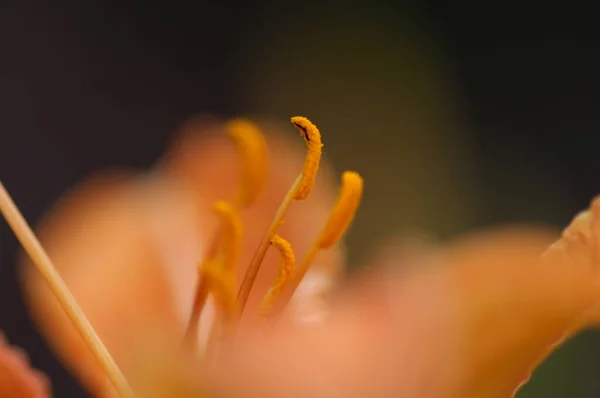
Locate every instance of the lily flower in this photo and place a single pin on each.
(180, 305)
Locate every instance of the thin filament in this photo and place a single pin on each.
(298, 191)
(336, 226)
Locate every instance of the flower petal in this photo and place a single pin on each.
(474, 326)
(17, 378)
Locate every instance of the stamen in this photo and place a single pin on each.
(252, 149)
(60, 290)
(253, 152)
(299, 191)
(230, 234)
(200, 297)
(286, 269)
(220, 283)
(343, 211)
(217, 270)
(312, 136)
(339, 220)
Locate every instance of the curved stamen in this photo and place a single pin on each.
(286, 270)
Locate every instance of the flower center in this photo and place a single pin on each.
(217, 269)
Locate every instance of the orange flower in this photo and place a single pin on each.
(142, 254)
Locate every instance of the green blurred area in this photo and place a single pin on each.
(382, 88)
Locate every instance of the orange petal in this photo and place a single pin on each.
(17, 378)
(512, 307)
(102, 237)
(474, 325)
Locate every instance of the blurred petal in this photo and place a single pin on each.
(100, 236)
(515, 308)
(474, 325)
(17, 378)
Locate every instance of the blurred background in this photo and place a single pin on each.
(457, 116)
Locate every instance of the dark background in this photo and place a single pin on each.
(85, 85)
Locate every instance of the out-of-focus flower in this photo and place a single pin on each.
(468, 319)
